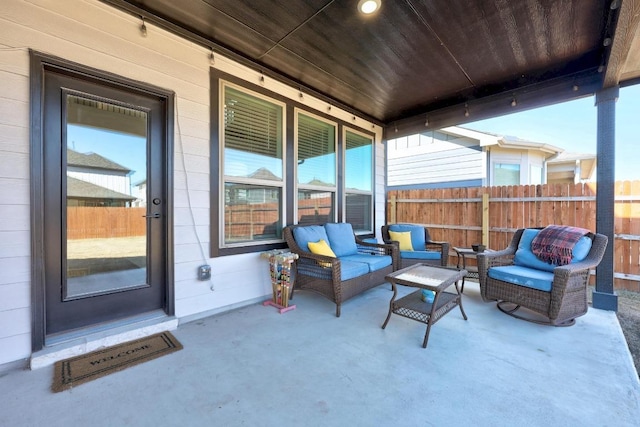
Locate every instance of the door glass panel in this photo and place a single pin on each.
(106, 198)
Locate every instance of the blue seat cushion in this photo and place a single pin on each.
(341, 238)
(526, 258)
(417, 234)
(311, 233)
(523, 276)
(374, 262)
(352, 269)
(420, 255)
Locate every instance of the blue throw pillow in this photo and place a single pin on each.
(417, 234)
(581, 249)
(310, 233)
(341, 238)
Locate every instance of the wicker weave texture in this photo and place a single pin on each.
(568, 297)
(442, 247)
(321, 274)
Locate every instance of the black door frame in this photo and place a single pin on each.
(39, 65)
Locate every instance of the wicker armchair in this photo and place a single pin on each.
(567, 298)
(439, 249)
(322, 274)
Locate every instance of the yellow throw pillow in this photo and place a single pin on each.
(402, 237)
(321, 248)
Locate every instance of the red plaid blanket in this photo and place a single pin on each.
(554, 243)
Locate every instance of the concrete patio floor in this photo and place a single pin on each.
(256, 367)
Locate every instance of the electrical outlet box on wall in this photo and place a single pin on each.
(204, 272)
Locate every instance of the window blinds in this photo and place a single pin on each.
(315, 137)
(252, 124)
(354, 140)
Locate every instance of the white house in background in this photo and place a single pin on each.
(139, 191)
(94, 180)
(458, 157)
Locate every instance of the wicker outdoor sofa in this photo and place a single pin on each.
(357, 267)
(559, 302)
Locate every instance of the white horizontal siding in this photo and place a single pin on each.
(15, 347)
(118, 183)
(429, 159)
(12, 138)
(15, 296)
(15, 243)
(96, 35)
(15, 239)
(459, 165)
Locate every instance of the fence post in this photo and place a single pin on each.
(485, 219)
(392, 214)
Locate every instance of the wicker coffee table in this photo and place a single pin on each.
(435, 279)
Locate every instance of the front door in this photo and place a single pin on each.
(105, 203)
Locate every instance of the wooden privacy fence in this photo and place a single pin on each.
(103, 222)
(490, 215)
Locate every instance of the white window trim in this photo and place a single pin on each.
(251, 181)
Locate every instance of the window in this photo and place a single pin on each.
(358, 186)
(275, 161)
(252, 166)
(506, 174)
(315, 169)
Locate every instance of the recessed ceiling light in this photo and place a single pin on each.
(368, 6)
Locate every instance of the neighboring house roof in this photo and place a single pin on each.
(78, 189)
(523, 144)
(488, 139)
(92, 160)
(485, 138)
(264, 173)
(316, 181)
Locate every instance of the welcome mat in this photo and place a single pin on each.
(81, 369)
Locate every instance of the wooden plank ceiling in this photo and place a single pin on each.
(413, 57)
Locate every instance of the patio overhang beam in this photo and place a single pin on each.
(538, 95)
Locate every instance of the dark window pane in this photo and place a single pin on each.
(251, 213)
(315, 207)
(359, 212)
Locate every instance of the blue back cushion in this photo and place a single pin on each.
(311, 233)
(417, 234)
(525, 258)
(341, 238)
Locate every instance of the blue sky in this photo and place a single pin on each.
(573, 127)
(126, 150)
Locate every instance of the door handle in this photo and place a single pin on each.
(154, 215)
